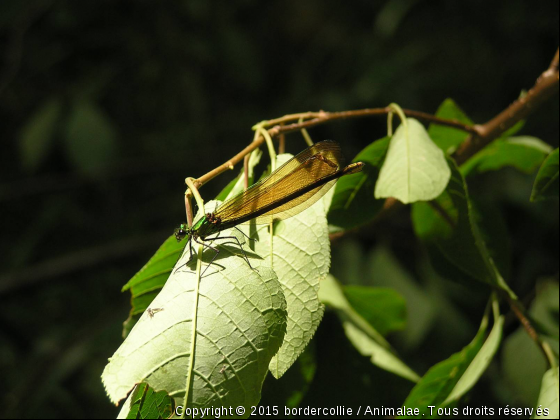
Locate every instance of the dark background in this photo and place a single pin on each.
(106, 106)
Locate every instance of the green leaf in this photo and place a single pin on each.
(546, 184)
(548, 398)
(448, 138)
(383, 308)
(145, 403)
(545, 307)
(512, 131)
(37, 136)
(361, 334)
(479, 363)
(450, 225)
(353, 202)
(494, 233)
(147, 283)
(386, 271)
(240, 324)
(449, 380)
(301, 259)
(292, 387)
(522, 362)
(415, 169)
(522, 366)
(525, 154)
(90, 139)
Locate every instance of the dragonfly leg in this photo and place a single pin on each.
(189, 244)
(247, 236)
(216, 250)
(240, 246)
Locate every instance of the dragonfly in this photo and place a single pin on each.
(290, 189)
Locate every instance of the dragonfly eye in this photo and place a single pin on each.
(180, 233)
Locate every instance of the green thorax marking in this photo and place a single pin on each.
(207, 225)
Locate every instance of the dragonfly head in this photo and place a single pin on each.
(182, 231)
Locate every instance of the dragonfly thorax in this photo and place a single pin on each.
(206, 226)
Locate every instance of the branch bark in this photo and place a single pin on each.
(313, 119)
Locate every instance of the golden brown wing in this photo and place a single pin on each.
(307, 168)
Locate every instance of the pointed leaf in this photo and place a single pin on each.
(415, 169)
(449, 224)
(361, 334)
(479, 363)
(450, 379)
(546, 184)
(524, 153)
(241, 321)
(548, 398)
(448, 138)
(353, 201)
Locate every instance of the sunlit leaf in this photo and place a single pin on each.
(301, 259)
(415, 169)
(548, 398)
(147, 283)
(241, 322)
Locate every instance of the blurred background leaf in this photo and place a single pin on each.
(90, 139)
(38, 135)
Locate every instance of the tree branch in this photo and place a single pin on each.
(480, 135)
(318, 118)
(520, 312)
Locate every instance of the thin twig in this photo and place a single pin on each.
(318, 119)
(520, 312)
